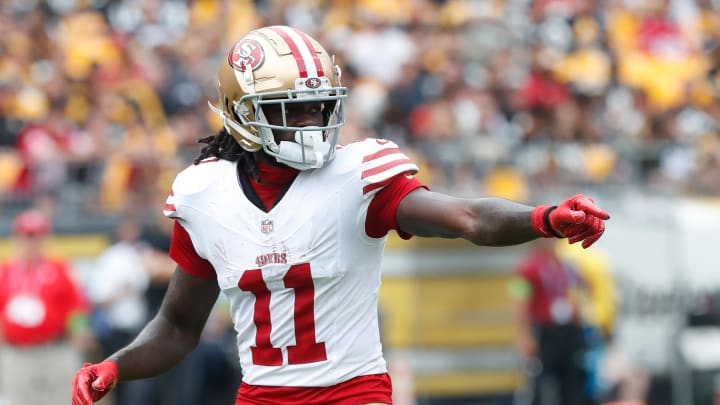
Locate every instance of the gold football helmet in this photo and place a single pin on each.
(279, 65)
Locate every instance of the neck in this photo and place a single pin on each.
(275, 174)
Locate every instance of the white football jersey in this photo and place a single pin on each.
(302, 280)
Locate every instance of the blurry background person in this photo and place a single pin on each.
(43, 314)
(155, 240)
(206, 376)
(550, 335)
(612, 376)
(117, 286)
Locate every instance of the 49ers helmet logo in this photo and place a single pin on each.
(247, 52)
(313, 82)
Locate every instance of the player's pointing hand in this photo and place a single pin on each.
(93, 381)
(578, 219)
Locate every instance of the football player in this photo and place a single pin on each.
(291, 227)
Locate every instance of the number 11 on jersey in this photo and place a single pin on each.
(306, 349)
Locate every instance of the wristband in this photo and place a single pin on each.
(540, 218)
(546, 219)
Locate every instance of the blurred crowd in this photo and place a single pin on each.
(102, 101)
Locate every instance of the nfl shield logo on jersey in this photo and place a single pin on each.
(266, 226)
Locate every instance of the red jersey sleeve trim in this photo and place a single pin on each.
(184, 254)
(381, 212)
(170, 211)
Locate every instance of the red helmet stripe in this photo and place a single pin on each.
(313, 52)
(294, 49)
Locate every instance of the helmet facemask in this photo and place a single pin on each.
(313, 146)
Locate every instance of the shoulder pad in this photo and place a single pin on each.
(192, 180)
(382, 160)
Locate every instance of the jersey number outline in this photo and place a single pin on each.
(306, 349)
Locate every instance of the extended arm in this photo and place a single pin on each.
(483, 221)
(172, 334)
(498, 222)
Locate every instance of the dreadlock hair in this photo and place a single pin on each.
(223, 146)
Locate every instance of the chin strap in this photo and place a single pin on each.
(307, 152)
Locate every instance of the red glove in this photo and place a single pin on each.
(93, 381)
(577, 218)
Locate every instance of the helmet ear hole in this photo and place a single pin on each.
(228, 107)
(235, 115)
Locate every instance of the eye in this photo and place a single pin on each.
(305, 108)
(316, 107)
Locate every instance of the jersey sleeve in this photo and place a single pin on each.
(191, 181)
(184, 254)
(185, 199)
(381, 217)
(382, 161)
(170, 211)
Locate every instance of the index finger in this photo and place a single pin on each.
(586, 205)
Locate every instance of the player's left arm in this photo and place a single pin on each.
(498, 222)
